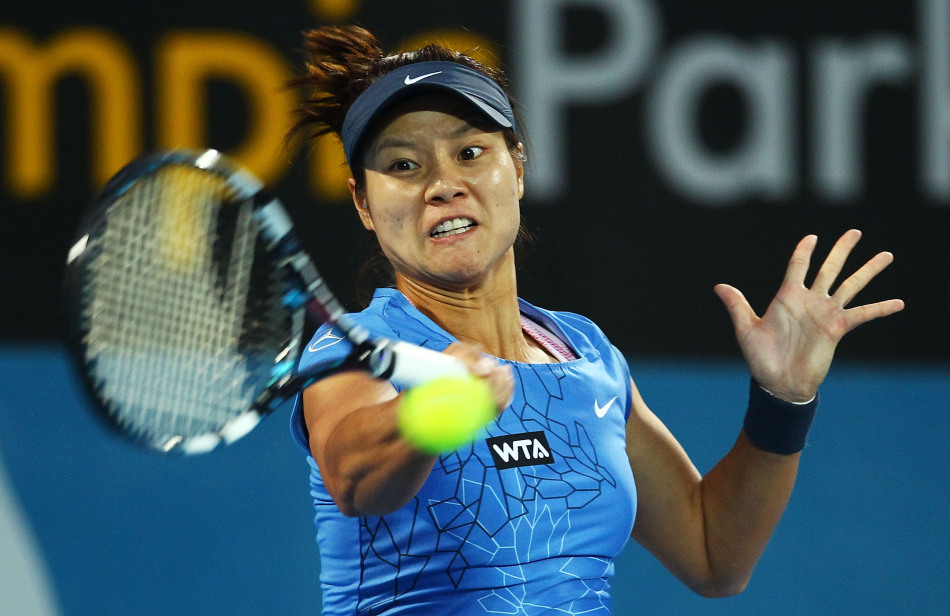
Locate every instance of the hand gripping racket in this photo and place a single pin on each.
(187, 292)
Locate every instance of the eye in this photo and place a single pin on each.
(471, 152)
(403, 165)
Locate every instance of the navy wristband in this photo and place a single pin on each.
(775, 425)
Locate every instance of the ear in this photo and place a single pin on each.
(519, 169)
(361, 204)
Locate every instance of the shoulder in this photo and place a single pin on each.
(329, 343)
(580, 323)
(587, 340)
(329, 349)
(574, 328)
(392, 315)
(389, 315)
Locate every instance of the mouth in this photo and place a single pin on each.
(453, 226)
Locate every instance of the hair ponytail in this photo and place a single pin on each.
(338, 67)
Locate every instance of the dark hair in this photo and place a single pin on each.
(340, 63)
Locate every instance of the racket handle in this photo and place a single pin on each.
(409, 365)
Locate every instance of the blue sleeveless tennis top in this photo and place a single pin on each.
(526, 519)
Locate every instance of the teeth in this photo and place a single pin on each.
(452, 227)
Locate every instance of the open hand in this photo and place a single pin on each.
(789, 349)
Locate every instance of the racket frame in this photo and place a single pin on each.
(403, 363)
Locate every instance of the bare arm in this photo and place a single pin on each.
(710, 531)
(367, 467)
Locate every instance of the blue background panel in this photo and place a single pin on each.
(116, 530)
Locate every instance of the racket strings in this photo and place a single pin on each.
(175, 310)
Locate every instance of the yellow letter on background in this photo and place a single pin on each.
(185, 60)
(115, 93)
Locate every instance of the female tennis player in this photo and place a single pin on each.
(528, 517)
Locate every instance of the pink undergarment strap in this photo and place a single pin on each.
(548, 341)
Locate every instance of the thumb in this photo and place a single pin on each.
(738, 307)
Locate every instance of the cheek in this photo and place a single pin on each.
(507, 179)
(507, 199)
(384, 212)
(394, 226)
(388, 228)
(506, 186)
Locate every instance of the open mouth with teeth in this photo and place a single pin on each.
(453, 227)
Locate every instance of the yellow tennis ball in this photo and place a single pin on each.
(445, 413)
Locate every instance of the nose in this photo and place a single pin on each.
(445, 185)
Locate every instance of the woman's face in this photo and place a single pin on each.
(443, 192)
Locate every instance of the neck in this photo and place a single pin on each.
(486, 314)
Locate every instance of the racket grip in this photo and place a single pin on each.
(409, 365)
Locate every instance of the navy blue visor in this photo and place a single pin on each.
(397, 85)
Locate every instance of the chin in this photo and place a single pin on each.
(460, 280)
(460, 277)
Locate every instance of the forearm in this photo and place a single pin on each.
(710, 531)
(368, 468)
(743, 497)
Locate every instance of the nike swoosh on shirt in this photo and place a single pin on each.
(411, 80)
(325, 341)
(600, 411)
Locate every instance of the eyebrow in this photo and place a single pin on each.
(472, 121)
(390, 142)
(468, 127)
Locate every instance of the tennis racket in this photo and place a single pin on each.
(187, 293)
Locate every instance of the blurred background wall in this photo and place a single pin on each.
(671, 146)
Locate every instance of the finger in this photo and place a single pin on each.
(860, 279)
(501, 381)
(833, 265)
(801, 260)
(859, 315)
(741, 313)
(498, 375)
(477, 363)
